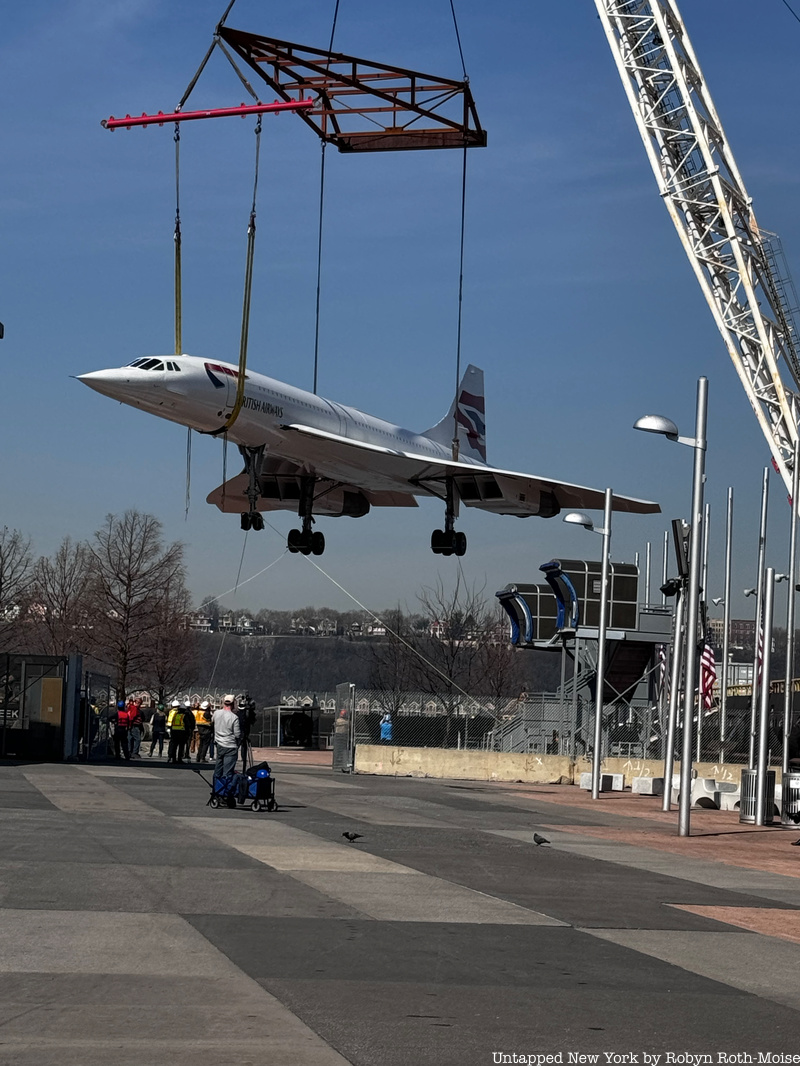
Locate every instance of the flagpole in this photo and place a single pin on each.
(726, 636)
(763, 724)
(704, 601)
(757, 658)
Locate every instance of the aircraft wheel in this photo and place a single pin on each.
(294, 540)
(438, 541)
(460, 543)
(257, 521)
(317, 543)
(246, 520)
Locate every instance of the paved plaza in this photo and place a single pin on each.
(137, 925)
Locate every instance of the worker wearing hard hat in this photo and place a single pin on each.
(204, 717)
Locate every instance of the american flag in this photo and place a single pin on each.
(663, 680)
(708, 675)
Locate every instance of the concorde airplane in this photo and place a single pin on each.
(307, 454)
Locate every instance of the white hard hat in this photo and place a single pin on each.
(187, 703)
(204, 705)
(175, 703)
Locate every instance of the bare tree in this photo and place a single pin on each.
(172, 663)
(391, 660)
(131, 572)
(16, 576)
(60, 611)
(451, 658)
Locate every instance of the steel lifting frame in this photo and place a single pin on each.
(217, 112)
(700, 183)
(362, 106)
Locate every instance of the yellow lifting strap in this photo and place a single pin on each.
(248, 288)
(178, 299)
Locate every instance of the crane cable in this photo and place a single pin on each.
(324, 144)
(455, 441)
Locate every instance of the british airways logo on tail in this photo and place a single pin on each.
(471, 415)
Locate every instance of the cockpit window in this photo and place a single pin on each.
(151, 364)
(137, 362)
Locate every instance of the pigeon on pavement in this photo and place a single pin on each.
(352, 836)
(538, 839)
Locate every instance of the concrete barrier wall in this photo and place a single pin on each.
(513, 766)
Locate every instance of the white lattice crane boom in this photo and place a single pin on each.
(733, 260)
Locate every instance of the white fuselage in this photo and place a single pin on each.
(200, 393)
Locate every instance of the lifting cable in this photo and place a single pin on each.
(321, 203)
(461, 249)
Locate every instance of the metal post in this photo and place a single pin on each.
(674, 691)
(762, 543)
(647, 575)
(601, 648)
(693, 605)
(704, 601)
(763, 722)
(726, 634)
(789, 675)
(664, 557)
(576, 651)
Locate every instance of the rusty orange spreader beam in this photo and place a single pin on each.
(217, 112)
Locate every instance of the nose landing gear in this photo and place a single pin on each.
(304, 540)
(253, 458)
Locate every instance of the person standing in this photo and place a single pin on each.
(194, 739)
(177, 735)
(227, 736)
(159, 727)
(121, 732)
(135, 726)
(205, 730)
(188, 725)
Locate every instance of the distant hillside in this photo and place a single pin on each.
(267, 666)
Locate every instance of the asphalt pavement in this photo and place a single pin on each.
(138, 925)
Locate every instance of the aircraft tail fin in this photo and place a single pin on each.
(466, 419)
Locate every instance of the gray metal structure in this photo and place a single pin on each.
(737, 264)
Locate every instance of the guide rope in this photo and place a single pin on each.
(324, 145)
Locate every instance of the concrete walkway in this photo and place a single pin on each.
(137, 925)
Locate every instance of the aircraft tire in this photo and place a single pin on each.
(246, 520)
(293, 541)
(317, 543)
(460, 543)
(437, 541)
(257, 521)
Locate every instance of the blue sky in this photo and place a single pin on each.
(579, 303)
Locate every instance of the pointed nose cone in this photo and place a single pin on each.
(108, 382)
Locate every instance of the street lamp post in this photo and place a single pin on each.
(678, 637)
(659, 424)
(789, 675)
(577, 518)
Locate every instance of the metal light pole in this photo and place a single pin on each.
(763, 722)
(674, 690)
(726, 634)
(659, 424)
(762, 544)
(647, 575)
(789, 675)
(577, 518)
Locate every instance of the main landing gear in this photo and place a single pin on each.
(253, 458)
(449, 541)
(305, 540)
